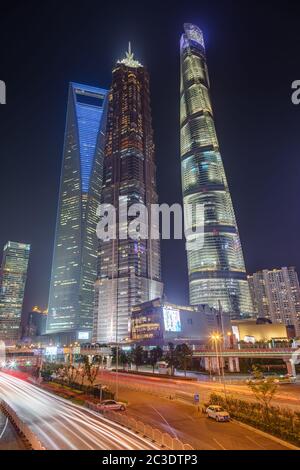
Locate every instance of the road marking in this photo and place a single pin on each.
(4, 429)
(168, 424)
(217, 442)
(254, 442)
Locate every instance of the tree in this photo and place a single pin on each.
(92, 371)
(71, 374)
(155, 356)
(264, 389)
(123, 358)
(137, 355)
(114, 355)
(184, 356)
(171, 358)
(84, 369)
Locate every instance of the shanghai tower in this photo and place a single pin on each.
(128, 269)
(217, 274)
(74, 264)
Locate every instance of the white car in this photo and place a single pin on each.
(218, 413)
(111, 405)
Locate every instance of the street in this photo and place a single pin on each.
(184, 421)
(9, 439)
(61, 425)
(288, 396)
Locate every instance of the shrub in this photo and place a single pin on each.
(281, 422)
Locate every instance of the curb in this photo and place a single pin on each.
(265, 434)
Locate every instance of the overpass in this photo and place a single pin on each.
(212, 359)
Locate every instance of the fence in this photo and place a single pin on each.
(163, 439)
(34, 442)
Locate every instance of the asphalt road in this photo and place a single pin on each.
(184, 421)
(61, 425)
(288, 395)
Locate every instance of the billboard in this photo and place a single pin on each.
(171, 319)
(83, 335)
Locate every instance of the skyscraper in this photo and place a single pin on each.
(276, 295)
(128, 270)
(75, 250)
(13, 276)
(217, 270)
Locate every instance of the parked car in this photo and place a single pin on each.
(111, 405)
(218, 413)
(286, 379)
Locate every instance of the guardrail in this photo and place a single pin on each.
(22, 427)
(163, 439)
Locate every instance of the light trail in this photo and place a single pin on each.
(62, 425)
(4, 428)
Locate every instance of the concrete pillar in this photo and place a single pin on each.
(108, 362)
(290, 365)
(234, 364)
(231, 364)
(237, 364)
(215, 365)
(207, 363)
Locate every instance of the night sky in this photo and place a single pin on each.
(253, 57)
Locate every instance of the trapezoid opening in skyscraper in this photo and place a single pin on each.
(75, 250)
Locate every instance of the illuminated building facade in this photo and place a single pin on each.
(13, 276)
(75, 252)
(217, 270)
(276, 295)
(128, 270)
(254, 330)
(156, 323)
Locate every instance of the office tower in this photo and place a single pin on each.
(75, 250)
(128, 270)
(216, 271)
(34, 322)
(276, 295)
(13, 276)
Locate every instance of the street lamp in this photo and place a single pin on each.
(217, 338)
(230, 337)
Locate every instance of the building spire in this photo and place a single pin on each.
(129, 60)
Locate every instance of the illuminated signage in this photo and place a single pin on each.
(83, 335)
(51, 351)
(171, 319)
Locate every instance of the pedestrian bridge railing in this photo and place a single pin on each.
(21, 427)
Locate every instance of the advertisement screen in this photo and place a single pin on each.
(171, 319)
(51, 351)
(83, 335)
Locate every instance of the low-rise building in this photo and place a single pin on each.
(159, 322)
(258, 330)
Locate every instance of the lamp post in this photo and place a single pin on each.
(217, 339)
